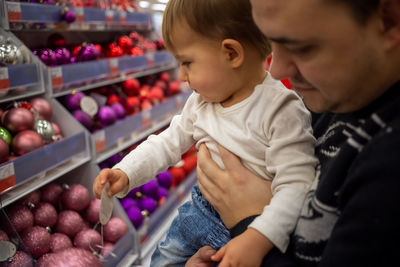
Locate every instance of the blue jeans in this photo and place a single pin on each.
(196, 225)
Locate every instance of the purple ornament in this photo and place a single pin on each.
(69, 222)
(83, 118)
(73, 101)
(103, 165)
(135, 193)
(165, 179)
(63, 56)
(114, 159)
(51, 193)
(31, 199)
(48, 57)
(45, 214)
(136, 216)
(69, 16)
(150, 189)
(119, 110)
(148, 204)
(88, 52)
(92, 211)
(76, 197)
(106, 116)
(128, 203)
(88, 239)
(114, 229)
(20, 217)
(162, 193)
(37, 240)
(59, 242)
(20, 259)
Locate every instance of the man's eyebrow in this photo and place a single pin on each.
(283, 40)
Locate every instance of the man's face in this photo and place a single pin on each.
(331, 59)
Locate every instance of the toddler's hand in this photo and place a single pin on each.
(117, 178)
(247, 249)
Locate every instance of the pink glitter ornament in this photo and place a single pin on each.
(26, 141)
(114, 229)
(37, 240)
(4, 151)
(43, 107)
(88, 239)
(59, 242)
(69, 222)
(51, 193)
(45, 214)
(31, 200)
(3, 236)
(107, 248)
(92, 211)
(20, 259)
(18, 119)
(20, 217)
(49, 259)
(76, 197)
(77, 257)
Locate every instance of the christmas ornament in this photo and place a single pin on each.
(20, 217)
(174, 88)
(128, 202)
(31, 200)
(59, 241)
(70, 257)
(36, 240)
(148, 204)
(189, 164)
(135, 193)
(10, 54)
(88, 239)
(150, 188)
(162, 193)
(69, 222)
(132, 105)
(161, 84)
(26, 141)
(43, 107)
(75, 197)
(56, 40)
(112, 99)
(87, 53)
(68, 15)
(3, 236)
(114, 159)
(114, 50)
(20, 259)
(18, 119)
(146, 104)
(136, 51)
(83, 118)
(45, 130)
(92, 211)
(178, 175)
(63, 56)
(4, 151)
(107, 249)
(164, 76)
(125, 43)
(131, 87)
(114, 229)
(51, 193)
(164, 179)
(45, 214)
(119, 110)
(56, 128)
(73, 101)
(156, 94)
(48, 57)
(106, 116)
(144, 93)
(136, 216)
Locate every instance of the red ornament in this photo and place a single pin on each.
(26, 141)
(144, 93)
(156, 93)
(37, 240)
(164, 76)
(114, 50)
(4, 152)
(174, 87)
(131, 87)
(112, 99)
(178, 175)
(136, 51)
(59, 242)
(146, 104)
(114, 229)
(76, 197)
(189, 164)
(25, 105)
(125, 43)
(132, 105)
(161, 84)
(69, 222)
(76, 50)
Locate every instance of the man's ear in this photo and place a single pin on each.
(233, 52)
(390, 15)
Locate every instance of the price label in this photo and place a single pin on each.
(113, 66)
(146, 118)
(89, 105)
(7, 176)
(109, 16)
(122, 17)
(99, 140)
(79, 13)
(150, 59)
(56, 77)
(4, 81)
(178, 102)
(14, 11)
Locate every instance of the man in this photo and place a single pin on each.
(343, 58)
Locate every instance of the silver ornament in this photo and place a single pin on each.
(45, 130)
(10, 54)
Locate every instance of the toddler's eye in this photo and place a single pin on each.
(185, 63)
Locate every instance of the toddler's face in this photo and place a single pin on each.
(203, 65)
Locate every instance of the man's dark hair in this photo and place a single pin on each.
(362, 9)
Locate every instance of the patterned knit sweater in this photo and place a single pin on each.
(351, 216)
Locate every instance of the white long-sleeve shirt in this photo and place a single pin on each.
(270, 131)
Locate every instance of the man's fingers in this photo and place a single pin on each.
(206, 163)
(228, 158)
(219, 255)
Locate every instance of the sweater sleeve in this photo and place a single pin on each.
(158, 152)
(290, 159)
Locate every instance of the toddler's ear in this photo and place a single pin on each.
(233, 51)
(390, 16)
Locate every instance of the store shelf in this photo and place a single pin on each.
(56, 156)
(63, 79)
(135, 128)
(31, 16)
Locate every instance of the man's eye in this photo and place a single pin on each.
(300, 50)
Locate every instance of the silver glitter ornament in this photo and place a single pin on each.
(45, 130)
(10, 54)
